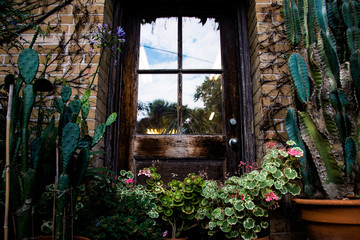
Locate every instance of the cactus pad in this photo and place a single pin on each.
(28, 64)
(70, 138)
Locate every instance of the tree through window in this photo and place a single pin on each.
(180, 83)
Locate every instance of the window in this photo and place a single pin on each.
(181, 97)
(179, 83)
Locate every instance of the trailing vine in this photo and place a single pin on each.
(273, 54)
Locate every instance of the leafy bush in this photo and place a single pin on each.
(119, 210)
(240, 207)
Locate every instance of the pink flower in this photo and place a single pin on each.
(145, 172)
(294, 152)
(270, 144)
(271, 196)
(165, 233)
(129, 180)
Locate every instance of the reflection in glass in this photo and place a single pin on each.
(157, 104)
(158, 44)
(202, 104)
(201, 44)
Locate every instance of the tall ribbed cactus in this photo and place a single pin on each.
(326, 80)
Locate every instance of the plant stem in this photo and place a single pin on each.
(7, 167)
(35, 36)
(173, 230)
(97, 68)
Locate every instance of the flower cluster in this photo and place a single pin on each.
(145, 171)
(271, 196)
(296, 152)
(129, 180)
(103, 36)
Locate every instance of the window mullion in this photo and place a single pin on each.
(180, 58)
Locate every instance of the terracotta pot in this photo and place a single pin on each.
(74, 238)
(330, 219)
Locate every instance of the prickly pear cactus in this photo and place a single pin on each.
(28, 64)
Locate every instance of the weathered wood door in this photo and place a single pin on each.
(180, 95)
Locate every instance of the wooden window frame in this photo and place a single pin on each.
(119, 138)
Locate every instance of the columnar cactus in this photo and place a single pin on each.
(326, 80)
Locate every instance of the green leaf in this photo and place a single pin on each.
(212, 225)
(239, 206)
(225, 227)
(258, 212)
(229, 211)
(249, 235)
(216, 213)
(294, 189)
(299, 74)
(290, 173)
(249, 205)
(264, 224)
(279, 184)
(249, 223)
(232, 220)
(278, 174)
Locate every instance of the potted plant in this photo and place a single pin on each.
(240, 207)
(324, 120)
(177, 202)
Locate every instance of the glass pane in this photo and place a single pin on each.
(202, 104)
(157, 104)
(201, 44)
(158, 44)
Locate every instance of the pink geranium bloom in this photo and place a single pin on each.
(145, 172)
(294, 152)
(129, 180)
(271, 196)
